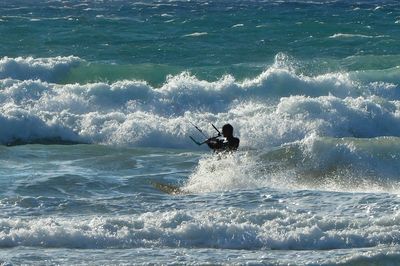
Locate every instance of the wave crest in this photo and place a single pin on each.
(279, 106)
(51, 69)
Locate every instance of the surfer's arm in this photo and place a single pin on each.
(214, 143)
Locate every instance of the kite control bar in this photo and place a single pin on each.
(208, 138)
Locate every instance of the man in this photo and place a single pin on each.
(230, 143)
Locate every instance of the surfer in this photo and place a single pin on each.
(230, 143)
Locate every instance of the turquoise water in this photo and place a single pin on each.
(311, 88)
(148, 40)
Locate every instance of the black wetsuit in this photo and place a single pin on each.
(229, 144)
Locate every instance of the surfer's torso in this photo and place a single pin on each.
(227, 144)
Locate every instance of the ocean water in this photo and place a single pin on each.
(98, 100)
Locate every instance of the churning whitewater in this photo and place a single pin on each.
(98, 100)
(276, 107)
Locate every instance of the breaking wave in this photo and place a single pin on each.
(333, 164)
(278, 106)
(47, 69)
(230, 229)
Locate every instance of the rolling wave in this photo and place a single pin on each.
(333, 164)
(235, 228)
(278, 106)
(51, 69)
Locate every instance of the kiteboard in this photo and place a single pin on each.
(167, 188)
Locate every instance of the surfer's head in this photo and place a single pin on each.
(227, 130)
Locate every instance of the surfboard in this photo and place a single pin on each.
(167, 188)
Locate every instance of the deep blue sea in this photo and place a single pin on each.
(98, 100)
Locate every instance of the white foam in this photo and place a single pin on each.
(47, 69)
(195, 34)
(277, 107)
(238, 25)
(232, 228)
(226, 172)
(344, 164)
(347, 35)
(19, 124)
